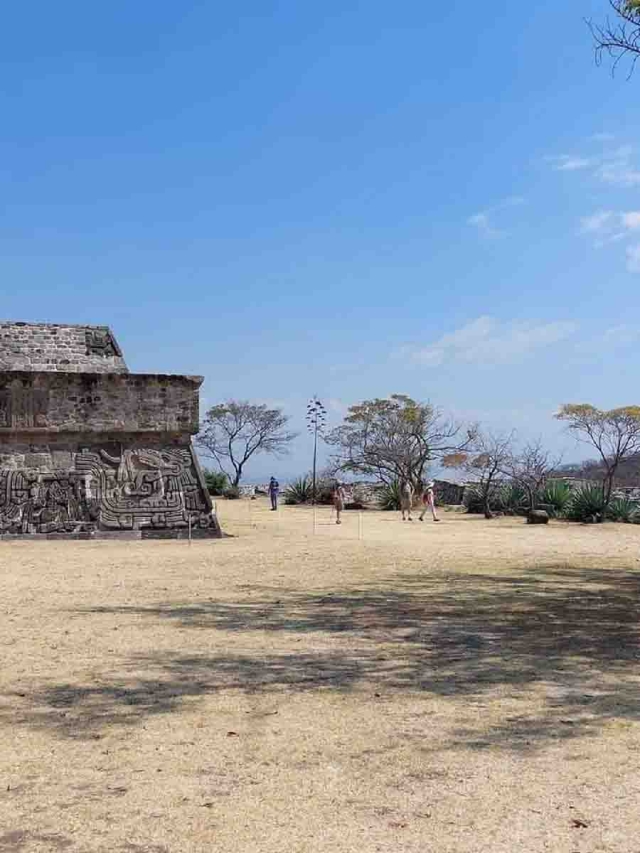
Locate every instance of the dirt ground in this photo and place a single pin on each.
(379, 686)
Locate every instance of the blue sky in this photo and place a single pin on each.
(347, 199)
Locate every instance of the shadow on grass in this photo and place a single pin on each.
(571, 633)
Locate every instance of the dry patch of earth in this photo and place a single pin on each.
(379, 686)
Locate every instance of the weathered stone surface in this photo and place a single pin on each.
(53, 347)
(86, 454)
(77, 402)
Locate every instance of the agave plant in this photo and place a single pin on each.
(586, 504)
(622, 509)
(556, 497)
(511, 499)
(299, 492)
(389, 496)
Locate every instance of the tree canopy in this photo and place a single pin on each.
(394, 439)
(232, 432)
(615, 435)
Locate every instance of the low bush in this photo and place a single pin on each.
(586, 504)
(510, 499)
(389, 496)
(215, 481)
(556, 497)
(624, 510)
(300, 491)
(232, 493)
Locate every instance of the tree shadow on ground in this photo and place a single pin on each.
(570, 634)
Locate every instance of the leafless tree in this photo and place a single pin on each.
(232, 432)
(530, 468)
(619, 35)
(395, 439)
(484, 464)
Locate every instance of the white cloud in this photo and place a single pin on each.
(597, 222)
(483, 221)
(615, 166)
(633, 258)
(487, 340)
(631, 220)
(570, 162)
(608, 226)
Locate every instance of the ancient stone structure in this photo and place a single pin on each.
(88, 449)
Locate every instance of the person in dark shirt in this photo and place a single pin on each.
(274, 489)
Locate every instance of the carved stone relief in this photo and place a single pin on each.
(136, 489)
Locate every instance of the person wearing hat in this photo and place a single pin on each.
(429, 502)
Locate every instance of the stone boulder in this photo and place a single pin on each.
(537, 516)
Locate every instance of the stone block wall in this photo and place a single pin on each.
(72, 402)
(54, 347)
(87, 448)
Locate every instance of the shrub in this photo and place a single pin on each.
(556, 496)
(325, 487)
(472, 500)
(622, 509)
(389, 496)
(232, 493)
(300, 491)
(216, 482)
(586, 504)
(510, 499)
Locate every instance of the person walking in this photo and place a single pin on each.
(429, 502)
(274, 489)
(406, 500)
(338, 500)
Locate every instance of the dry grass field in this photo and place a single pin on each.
(467, 686)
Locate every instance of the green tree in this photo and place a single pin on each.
(232, 432)
(395, 439)
(615, 435)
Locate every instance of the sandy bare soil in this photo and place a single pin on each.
(379, 686)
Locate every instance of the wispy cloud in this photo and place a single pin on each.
(484, 221)
(570, 162)
(608, 226)
(490, 341)
(598, 222)
(616, 166)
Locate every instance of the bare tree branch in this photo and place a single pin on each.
(618, 37)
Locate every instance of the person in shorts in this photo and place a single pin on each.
(406, 500)
(429, 502)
